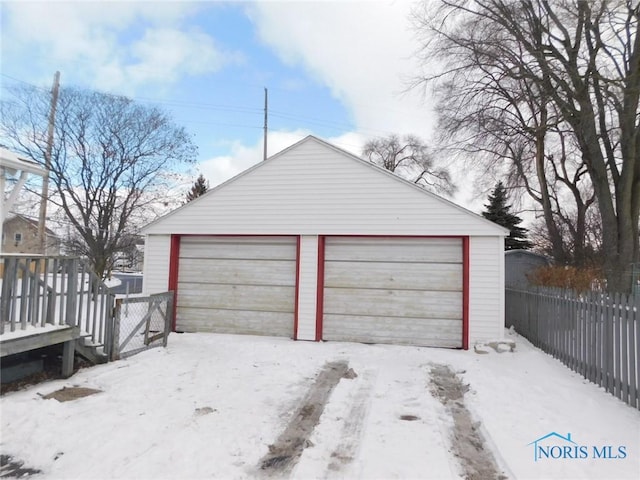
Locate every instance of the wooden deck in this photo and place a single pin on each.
(33, 338)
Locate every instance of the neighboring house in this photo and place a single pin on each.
(20, 235)
(519, 264)
(317, 244)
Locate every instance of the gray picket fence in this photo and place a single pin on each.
(595, 334)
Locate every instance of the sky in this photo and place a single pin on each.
(339, 70)
(209, 406)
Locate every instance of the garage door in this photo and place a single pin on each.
(237, 285)
(393, 290)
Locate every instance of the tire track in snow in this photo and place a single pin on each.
(285, 452)
(352, 428)
(476, 461)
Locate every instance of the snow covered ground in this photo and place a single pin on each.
(209, 406)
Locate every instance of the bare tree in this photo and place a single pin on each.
(569, 66)
(108, 161)
(409, 157)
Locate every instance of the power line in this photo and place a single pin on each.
(305, 120)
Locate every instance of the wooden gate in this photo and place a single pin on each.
(141, 323)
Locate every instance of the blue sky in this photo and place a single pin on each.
(336, 70)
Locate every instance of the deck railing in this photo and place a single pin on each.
(38, 291)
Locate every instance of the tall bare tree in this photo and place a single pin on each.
(409, 157)
(569, 66)
(109, 160)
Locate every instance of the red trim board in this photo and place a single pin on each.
(465, 293)
(320, 289)
(174, 265)
(296, 310)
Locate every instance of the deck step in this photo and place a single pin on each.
(90, 351)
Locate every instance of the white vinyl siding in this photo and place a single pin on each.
(308, 288)
(237, 285)
(393, 290)
(157, 253)
(486, 289)
(314, 189)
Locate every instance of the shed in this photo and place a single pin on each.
(519, 265)
(318, 244)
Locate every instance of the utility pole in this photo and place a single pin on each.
(264, 155)
(47, 163)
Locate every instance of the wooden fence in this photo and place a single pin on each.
(595, 334)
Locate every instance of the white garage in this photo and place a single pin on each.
(317, 244)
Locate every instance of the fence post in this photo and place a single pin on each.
(72, 292)
(115, 338)
(168, 318)
(10, 270)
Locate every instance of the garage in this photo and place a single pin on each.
(315, 243)
(394, 290)
(233, 284)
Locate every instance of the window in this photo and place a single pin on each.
(17, 237)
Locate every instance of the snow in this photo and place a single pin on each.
(208, 406)
(29, 330)
(111, 282)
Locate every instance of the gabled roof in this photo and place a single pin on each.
(311, 174)
(30, 222)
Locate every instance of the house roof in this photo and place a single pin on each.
(31, 222)
(300, 165)
(518, 252)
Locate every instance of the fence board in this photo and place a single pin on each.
(596, 335)
(624, 352)
(636, 351)
(617, 319)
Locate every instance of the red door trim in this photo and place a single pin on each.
(174, 265)
(297, 291)
(320, 289)
(465, 293)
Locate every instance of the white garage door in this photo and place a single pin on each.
(237, 285)
(393, 290)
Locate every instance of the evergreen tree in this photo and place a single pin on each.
(498, 212)
(200, 187)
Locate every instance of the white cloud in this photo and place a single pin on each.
(86, 38)
(165, 54)
(363, 51)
